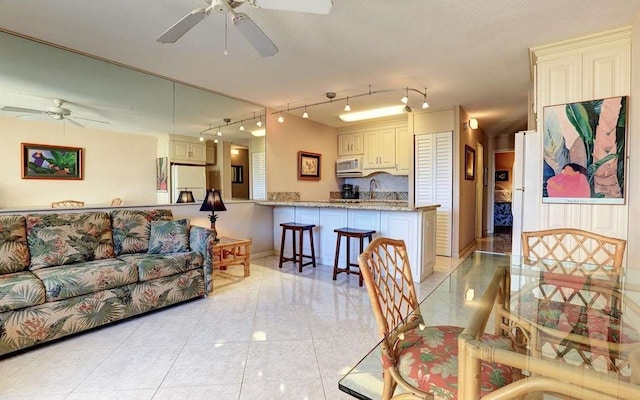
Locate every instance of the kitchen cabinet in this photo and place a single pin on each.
(350, 144)
(188, 152)
(211, 155)
(379, 149)
(182, 150)
(403, 150)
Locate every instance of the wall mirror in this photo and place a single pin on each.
(103, 98)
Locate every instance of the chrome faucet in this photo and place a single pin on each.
(373, 185)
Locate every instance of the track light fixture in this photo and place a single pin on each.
(331, 96)
(259, 122)
(347, 108)
(405, 98)
(424, 103)
(219, 132)
(241, 126)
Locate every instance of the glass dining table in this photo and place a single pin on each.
(575, 328)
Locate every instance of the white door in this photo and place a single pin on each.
(526, 186)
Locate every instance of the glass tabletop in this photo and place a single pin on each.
(579, 316)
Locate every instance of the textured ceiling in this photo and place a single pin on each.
(465, 52)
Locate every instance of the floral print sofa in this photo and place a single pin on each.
(65, 273)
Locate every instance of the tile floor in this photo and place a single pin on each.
(277, 334)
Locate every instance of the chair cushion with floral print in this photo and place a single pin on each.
(20, 290)
(152, 266)
(428, 359)
(67, 281)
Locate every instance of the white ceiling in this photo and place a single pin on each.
(465, 52)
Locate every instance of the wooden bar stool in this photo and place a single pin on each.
(349, 233)
(297, 257)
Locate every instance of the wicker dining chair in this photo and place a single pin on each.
(570, 261)
(116, 202)
(67, 204)
(419, 358)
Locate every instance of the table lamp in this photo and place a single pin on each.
(213, 202)
(185, 196)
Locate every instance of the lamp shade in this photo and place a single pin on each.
(213, 201)
(185, 196)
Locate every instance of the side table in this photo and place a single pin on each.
(228, 251)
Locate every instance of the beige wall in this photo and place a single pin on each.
(115, 165)
(504, 162)
(633, 142)
(283, 143)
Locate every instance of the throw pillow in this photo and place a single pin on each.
(169, 236)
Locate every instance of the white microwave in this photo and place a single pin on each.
(349, 166)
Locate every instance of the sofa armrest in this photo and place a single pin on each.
(202, 240)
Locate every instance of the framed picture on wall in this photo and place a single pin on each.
(584, 147)
(309, 166)
(44, 161)
(469, 163)
(162, 171)
(502, 176)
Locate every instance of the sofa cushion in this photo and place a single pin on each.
(152, 266)
(131, 229)
(20, 290)
(169, 237)
(59, 239)
(67, 281)
(14, 251)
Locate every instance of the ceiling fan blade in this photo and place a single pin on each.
(20, 109)
(307, 6)
(254, 35)
(92, 120)
(74, 122)
(183, 26)
(32, 116)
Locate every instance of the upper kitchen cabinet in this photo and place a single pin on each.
(384, 146)
(183, 149)
(380, 149)
(350, 144)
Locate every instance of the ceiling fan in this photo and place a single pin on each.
(54, 112)
(251, 32)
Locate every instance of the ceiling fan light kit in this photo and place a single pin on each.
(245, 25)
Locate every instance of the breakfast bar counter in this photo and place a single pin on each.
(389, 218)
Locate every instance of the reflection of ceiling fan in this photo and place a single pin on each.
(254, 35)
(55, 112)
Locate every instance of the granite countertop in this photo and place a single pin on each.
(383, 205)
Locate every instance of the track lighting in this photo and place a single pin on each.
(219, 132)
(259, 123)
(347, 108)
(241, 126)
(365, 114)
(405, 98)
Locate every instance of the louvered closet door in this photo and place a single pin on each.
(434, 182)
(258, 176)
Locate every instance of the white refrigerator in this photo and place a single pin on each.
(188, 177)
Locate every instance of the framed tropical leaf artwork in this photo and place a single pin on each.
(43, 161)
(584, 147)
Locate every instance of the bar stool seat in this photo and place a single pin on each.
(296, 253)
(349, 233)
